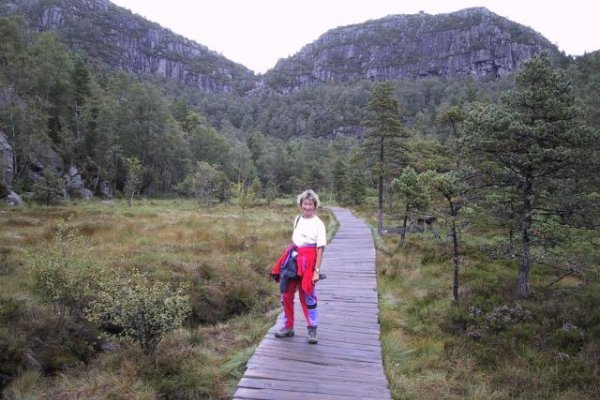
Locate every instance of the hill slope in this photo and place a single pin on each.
(121, 40)
(472, 42)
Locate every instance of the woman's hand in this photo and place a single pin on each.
(315, 277)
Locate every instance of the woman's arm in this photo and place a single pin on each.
(315, 278)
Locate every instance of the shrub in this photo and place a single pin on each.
(56, 276)
(138, 309)
(49, 188)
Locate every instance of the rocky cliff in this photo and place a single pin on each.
(472, 42)
(124, 41)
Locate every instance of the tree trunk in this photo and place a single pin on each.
(380, 207)
(77, 130)
(380, 189)
(403, 234)
(527, 218)
(455, 252)
(97, 179)
(14, 146)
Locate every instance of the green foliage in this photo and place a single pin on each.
(488, 342)
(535, 142)
(244, 196)
(62, 275)
(55, 272)
(411, 190)
(382, 146)
(382, 142)
(135, 170)
(95, 118)
(412, 195)
(49, 188)
(271, 192)
(350, 183)
(139, 309)
(585, 72)
(206, 183)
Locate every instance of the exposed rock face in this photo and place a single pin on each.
(43, 157)
(6, 161)
(472, 42)
(74, 184)
(128, 42)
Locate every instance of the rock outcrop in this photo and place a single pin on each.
(6, 160)
(472, 42)
(43, 157)
(74, 184)
(128, 42)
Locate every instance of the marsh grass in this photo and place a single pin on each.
(224, 257)
(491, 345)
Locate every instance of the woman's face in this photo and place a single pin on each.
(308, 208)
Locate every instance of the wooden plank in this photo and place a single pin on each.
(262, 394)
(346, 364)
(338, 372)
(312, 387)
(325, 357)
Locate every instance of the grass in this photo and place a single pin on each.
(491, 345)
(224, 257)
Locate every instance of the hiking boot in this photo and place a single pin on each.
(284, 332)
(312, 335)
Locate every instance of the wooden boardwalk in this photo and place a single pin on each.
(346, 364)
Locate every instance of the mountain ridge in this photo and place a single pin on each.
(470, 42)
(132, 43)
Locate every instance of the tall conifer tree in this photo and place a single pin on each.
(383, 145)
(535, 141)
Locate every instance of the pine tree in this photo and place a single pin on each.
(412, 195)
(383, 145)
(49, 188)
(534, 141)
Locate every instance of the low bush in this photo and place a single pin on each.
(139, 309)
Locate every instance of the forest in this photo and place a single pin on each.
(504, 171)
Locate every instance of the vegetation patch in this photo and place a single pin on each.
(492, 343)
(167, 299)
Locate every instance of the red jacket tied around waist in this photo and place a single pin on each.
(306, 260)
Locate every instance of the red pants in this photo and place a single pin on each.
(307, 300)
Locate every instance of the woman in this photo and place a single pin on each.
(309, 240)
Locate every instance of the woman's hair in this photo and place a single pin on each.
(308, 194)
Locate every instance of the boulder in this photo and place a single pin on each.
(74, 184)
(13, 199)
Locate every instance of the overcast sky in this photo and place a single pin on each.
(257, 33)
